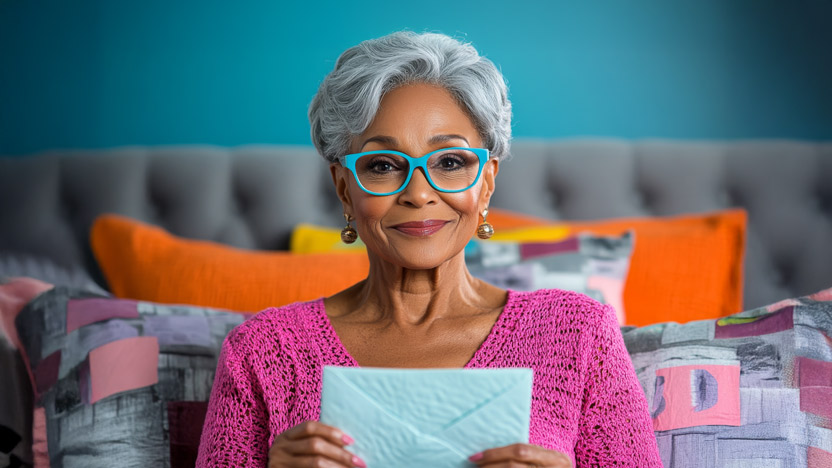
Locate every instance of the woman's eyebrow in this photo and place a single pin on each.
(443, 138)
(383, 139)
(390, 141)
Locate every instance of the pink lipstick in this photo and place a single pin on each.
(420, 228)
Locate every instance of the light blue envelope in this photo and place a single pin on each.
(433, 418)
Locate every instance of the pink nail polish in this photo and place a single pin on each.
(347, 439)
(475, 457)
(358, 462)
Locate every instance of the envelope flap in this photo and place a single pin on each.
(430, 398)
(499, 421)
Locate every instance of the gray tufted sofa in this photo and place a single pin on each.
(252, 196)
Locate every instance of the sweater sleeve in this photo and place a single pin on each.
(235, 433)
(615, 428)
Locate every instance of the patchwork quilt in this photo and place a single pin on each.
(750, 390)
(126, 383)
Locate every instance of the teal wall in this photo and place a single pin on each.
(100, 73)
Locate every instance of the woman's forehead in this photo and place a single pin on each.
(421, 113)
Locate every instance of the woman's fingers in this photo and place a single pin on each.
(315, 428)
(315, 462)
(521, 455)
(312, 447)
(313, 444)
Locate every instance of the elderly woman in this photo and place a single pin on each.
(415, 127)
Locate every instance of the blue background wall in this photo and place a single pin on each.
(100, 73)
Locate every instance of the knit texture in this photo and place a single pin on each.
(586, 400)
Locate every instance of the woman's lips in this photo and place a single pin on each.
(420, 228)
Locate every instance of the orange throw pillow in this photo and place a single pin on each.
(683, 268)
(144, 262)
(507, 219)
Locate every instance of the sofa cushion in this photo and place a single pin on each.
(25, 441)
(593, 265)
(121, 382)
(141, 261)
(751, 389)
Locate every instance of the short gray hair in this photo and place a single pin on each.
(349, 97)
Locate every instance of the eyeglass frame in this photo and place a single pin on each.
(348, 161)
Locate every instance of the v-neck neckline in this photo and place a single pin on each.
(482, 356)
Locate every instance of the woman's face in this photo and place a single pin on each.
(419, 227)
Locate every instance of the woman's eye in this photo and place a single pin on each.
(382, 166)
(449, 162)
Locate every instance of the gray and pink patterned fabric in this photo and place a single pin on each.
(593, 265)
(122, 383)
(750, 390)
(126, 383)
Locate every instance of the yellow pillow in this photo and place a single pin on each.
(311, 239)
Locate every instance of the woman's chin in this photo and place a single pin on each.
(424, 257)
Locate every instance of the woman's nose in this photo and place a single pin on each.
(418, 191)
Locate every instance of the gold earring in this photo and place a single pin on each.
(485, 230)
(348, 234)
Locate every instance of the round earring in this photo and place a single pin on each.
(485, 230)
(348, 234)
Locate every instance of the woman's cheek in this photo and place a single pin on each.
(369, 214)
(468, 207)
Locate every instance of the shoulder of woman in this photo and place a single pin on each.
(274, 322)
(560, 302)
(562, 309)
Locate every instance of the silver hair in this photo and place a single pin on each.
(349, 97)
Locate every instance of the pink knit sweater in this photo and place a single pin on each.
(586, 400)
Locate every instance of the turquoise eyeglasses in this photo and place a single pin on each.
(386, 172)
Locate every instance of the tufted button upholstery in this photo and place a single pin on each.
(252, 196)
(786, 186)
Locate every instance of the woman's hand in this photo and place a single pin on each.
(313, 444)
(521, 455)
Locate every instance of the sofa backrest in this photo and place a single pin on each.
(252, 196)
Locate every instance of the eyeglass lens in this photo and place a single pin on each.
(454, 169)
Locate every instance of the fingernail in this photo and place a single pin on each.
(347, 439)
(358, 462)
(475, 457)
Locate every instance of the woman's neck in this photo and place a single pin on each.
(404, 297)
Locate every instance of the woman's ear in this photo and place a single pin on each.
(489, 176)
(341, 180)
